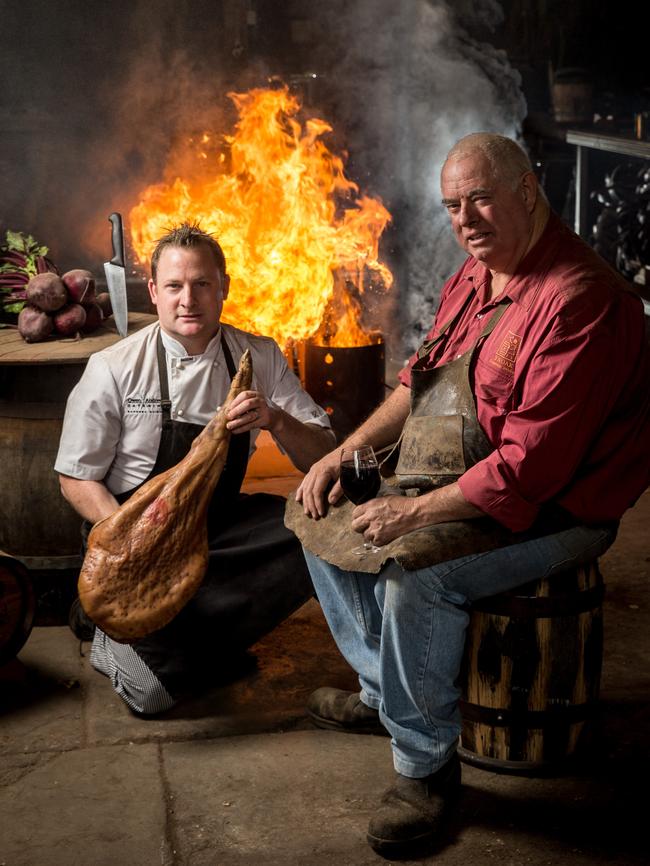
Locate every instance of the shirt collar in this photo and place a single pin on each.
(525, 283)
(177, 350)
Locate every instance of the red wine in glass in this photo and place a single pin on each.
(360, 481)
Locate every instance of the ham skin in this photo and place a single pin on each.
(145, 561)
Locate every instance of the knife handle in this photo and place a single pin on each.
(118, 240)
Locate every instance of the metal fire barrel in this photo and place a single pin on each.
(347, 382)
(37, 526)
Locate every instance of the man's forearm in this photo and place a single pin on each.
(388, 517)
(321, 486)
(303, 443)
(90, 499)
(443, 505)
(385, 424)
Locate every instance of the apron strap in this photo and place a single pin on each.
(426, 348)
(494, 319)
(230, 364)
(502, 306)
(165, 402)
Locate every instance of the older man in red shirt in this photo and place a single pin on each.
(534, 383)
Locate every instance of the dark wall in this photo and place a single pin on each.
(605, 38)
(94, 95)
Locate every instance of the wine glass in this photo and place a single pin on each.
(360, 482)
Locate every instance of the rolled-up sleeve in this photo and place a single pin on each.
(92, 424)
(284, 391)
(568, 392)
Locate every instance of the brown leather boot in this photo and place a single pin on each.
(338, 710)
(413, 813)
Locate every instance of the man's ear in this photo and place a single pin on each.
(153, 292)
(226, 286)
(530, 189)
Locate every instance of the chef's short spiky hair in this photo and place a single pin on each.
(188, 235)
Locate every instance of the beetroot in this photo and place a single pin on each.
(104, 301)
(94, 317)
(80, 285)
(34, 325)
(70, 320)
(47, 292)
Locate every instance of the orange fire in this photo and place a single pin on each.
(300, 241)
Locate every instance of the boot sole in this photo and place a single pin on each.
(330, 725)
(409, 849)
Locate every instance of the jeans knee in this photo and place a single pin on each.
(441, 586)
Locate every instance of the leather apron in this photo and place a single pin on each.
(256, 574)
(441, 439)
(442, 436)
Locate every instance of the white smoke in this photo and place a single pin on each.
(409, 81)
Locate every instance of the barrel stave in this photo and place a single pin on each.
(530, 681)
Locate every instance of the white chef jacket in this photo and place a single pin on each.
(113, 421)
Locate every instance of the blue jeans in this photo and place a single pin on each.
(403, 632)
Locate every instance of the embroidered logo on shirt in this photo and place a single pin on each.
(142, 406)
(507, 352)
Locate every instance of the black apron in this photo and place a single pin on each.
(256, 574)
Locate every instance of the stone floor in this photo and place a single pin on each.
(240, 778)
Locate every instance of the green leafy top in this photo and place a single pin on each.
(26, 244)
(21, 258)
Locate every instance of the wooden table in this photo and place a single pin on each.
(68, 350)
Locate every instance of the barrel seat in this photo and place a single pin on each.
(531, 673)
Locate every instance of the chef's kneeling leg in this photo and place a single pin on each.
(133, 681)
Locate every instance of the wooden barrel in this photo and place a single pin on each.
(37, 525)
(17, 607)
(572, 97)
(531, 673)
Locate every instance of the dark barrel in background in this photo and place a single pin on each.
(347, 382)
(17, 607)
(37, 526)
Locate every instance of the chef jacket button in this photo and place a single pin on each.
(180, 412)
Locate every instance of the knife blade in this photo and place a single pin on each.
(116, 276)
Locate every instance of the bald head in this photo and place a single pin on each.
(506, 158)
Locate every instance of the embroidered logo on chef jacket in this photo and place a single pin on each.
(506, 354)
(142, 406)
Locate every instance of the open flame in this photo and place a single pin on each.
(300, 240)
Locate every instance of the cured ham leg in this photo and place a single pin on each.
(146, 560)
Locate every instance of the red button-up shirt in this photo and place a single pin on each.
(561, 385)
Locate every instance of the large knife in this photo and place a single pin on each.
(116, 276)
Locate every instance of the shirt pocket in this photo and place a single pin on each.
(494, 386)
